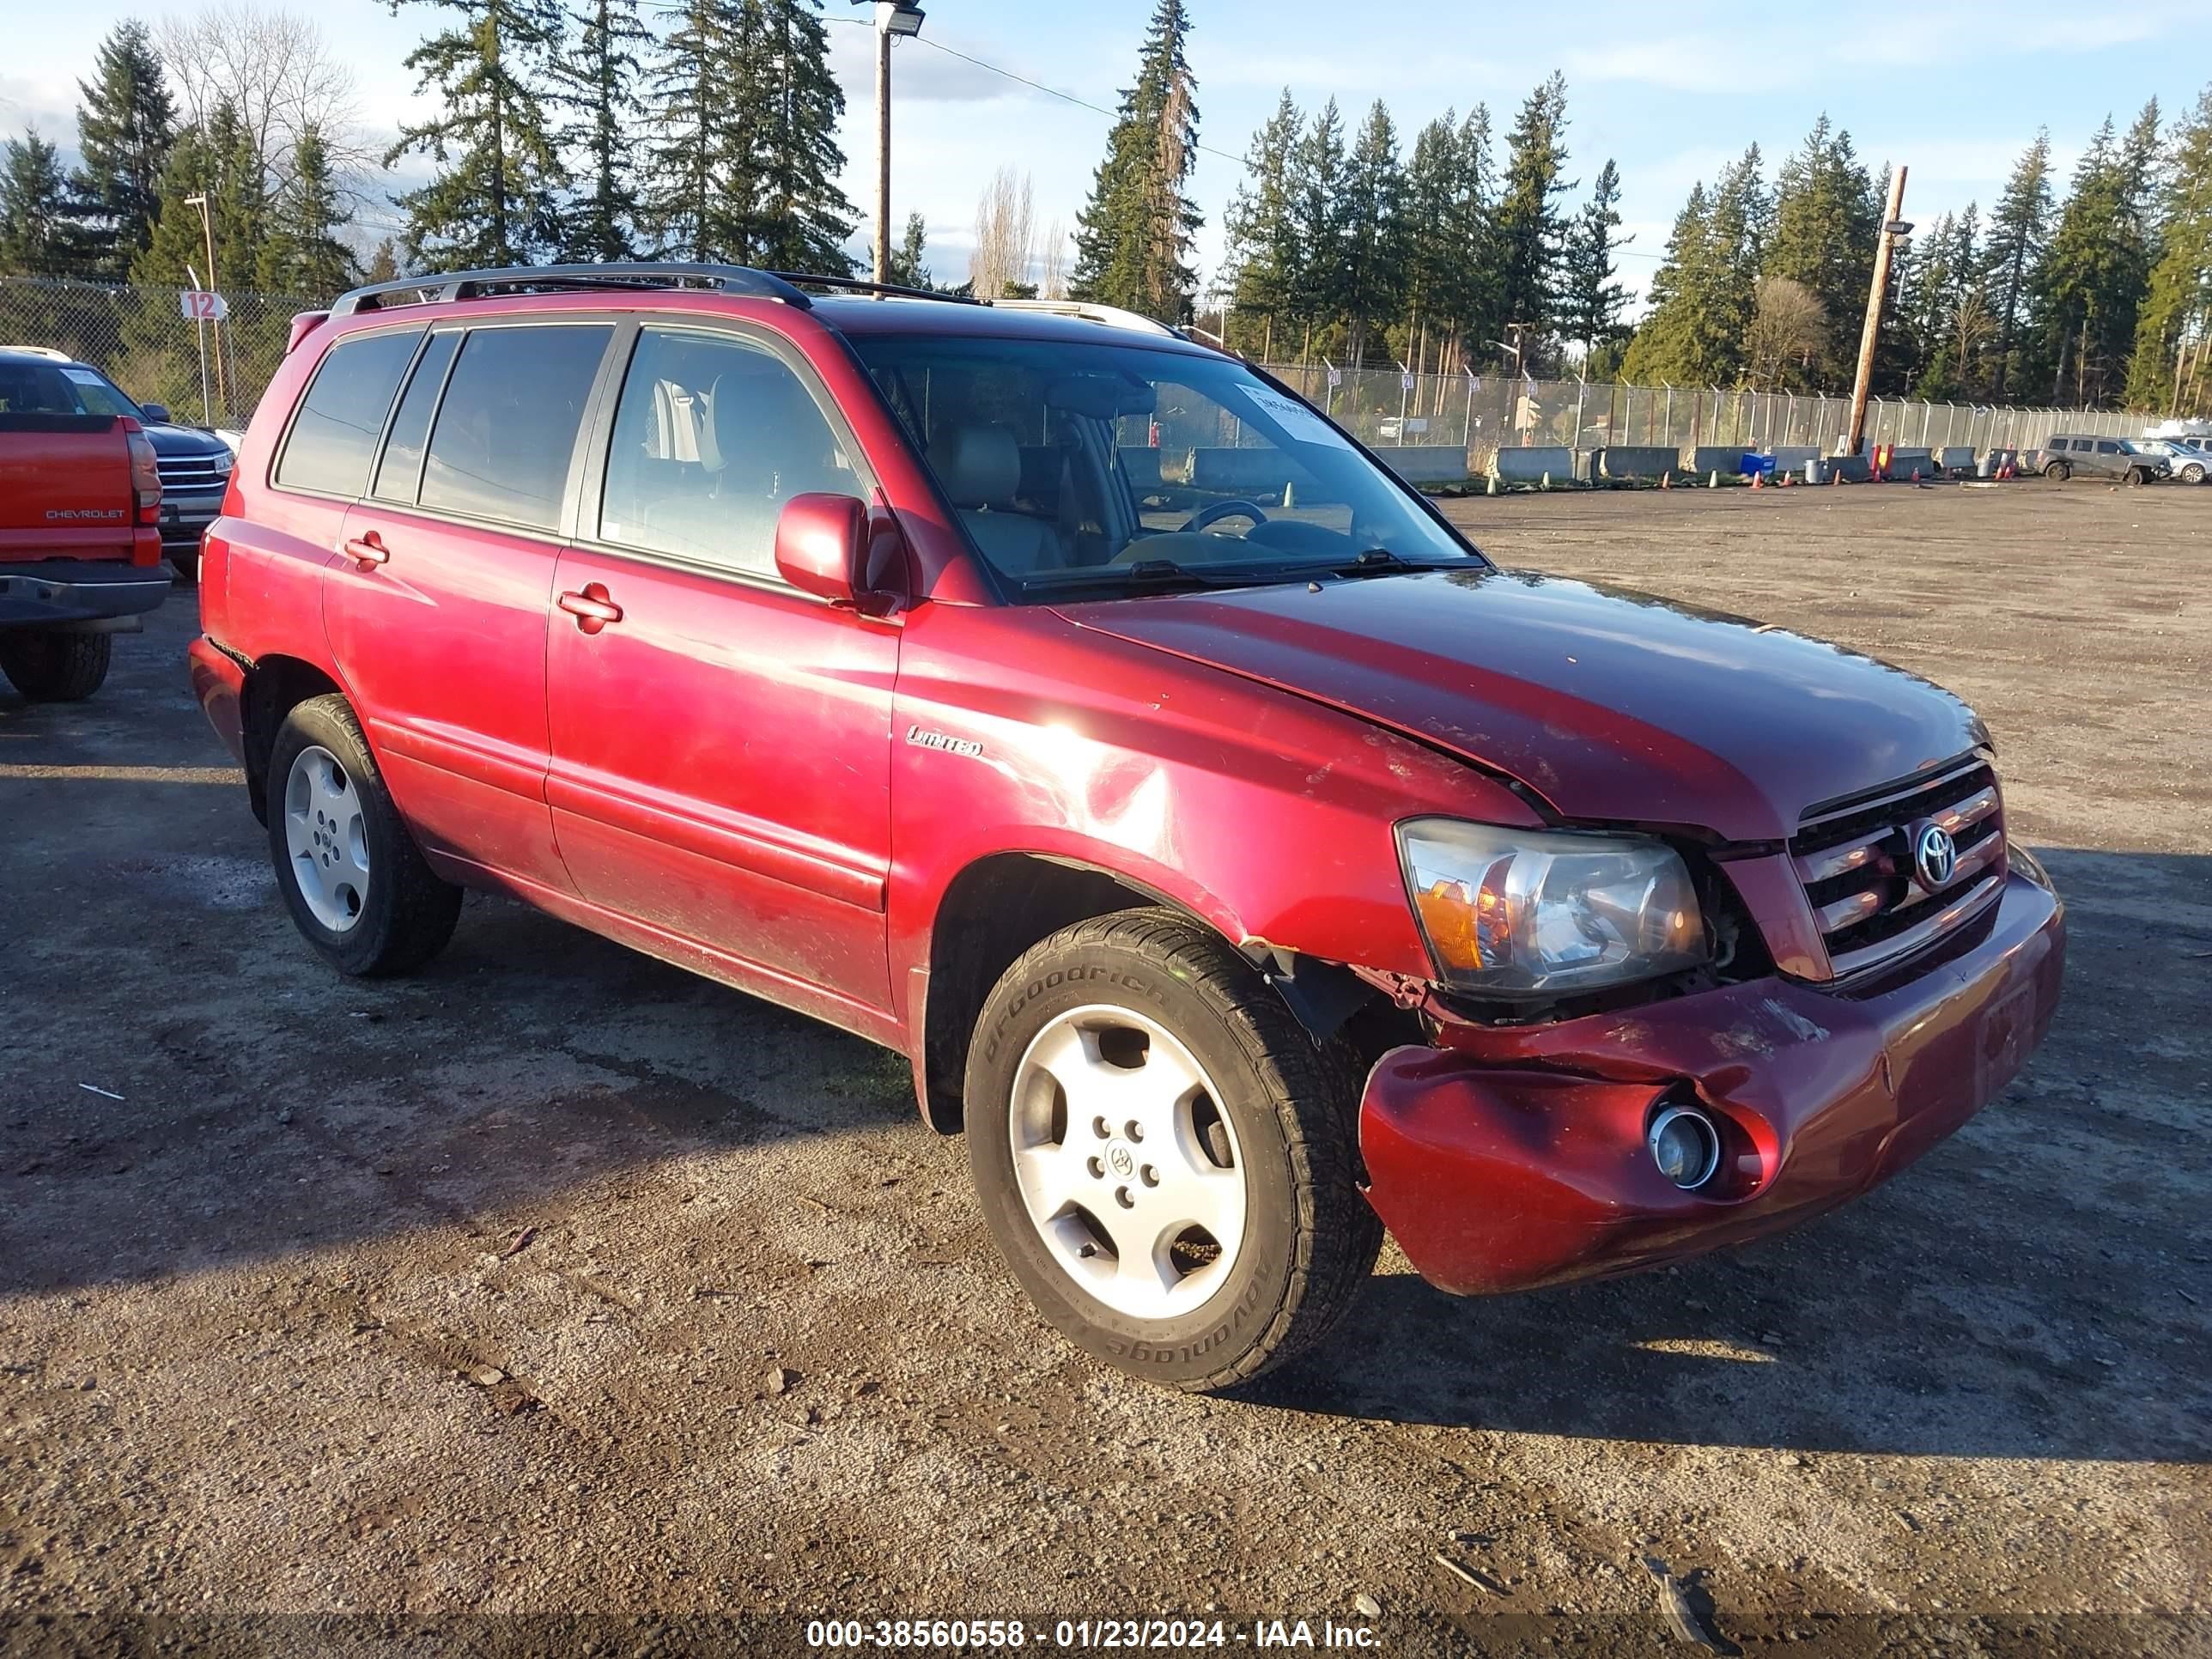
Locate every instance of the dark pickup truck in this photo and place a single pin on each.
(80, 533)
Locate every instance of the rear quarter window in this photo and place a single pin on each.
(335, 432)
(506, 426)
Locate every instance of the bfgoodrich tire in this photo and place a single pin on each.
(49, 667)
(351, 875)
(1165, 1157)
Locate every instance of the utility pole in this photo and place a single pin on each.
(892, 17)
(207, 230)
(1893, 228)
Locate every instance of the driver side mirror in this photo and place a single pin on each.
(158, 414)
(820, 540)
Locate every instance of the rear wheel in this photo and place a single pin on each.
(2058, 472)
(353, 878)
(1165, 1157)
(51, 667)
(2192, 474)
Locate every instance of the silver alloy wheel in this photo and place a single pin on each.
(1130, 1169)
(327, 837)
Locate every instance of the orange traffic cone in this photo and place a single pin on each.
(1916, 475)
(1758, 480)
(1836, 476)
(1666, 480)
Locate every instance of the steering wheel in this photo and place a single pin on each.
(1206, 517)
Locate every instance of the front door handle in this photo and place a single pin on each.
(368, 548)
(593, 607)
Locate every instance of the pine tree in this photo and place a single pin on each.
(2091, 281)
(1317, 223)
(1430, 185)
(1528, 226)
(906, 266)
(2020, 226)
(1472, 297)
(37, 237)
(705, 99)
(2167, 371)
(1133, 243)
(219, 163)
(602, 218)
(802, 218)
(1704, 296)
(125, 126)
(496, 198)
(383, 263)
(1826, 219)
(1374, 226)
(1590, 300)
(1263, 248)
(301, 252)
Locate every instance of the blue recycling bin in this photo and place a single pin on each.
(1756, 466)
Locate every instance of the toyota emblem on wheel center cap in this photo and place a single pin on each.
(1934, 856)
(1121, 1159)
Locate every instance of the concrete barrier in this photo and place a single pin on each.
(1528, 463)
(1252, 471)
(1993, 459)
(1726, 459)
(1956, 457)
(1791, 458)
(1142, 465)
(1632, 464)
(1852, 469)
(1903, 461)
(1420, 464)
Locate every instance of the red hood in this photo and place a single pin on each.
(1610, 704)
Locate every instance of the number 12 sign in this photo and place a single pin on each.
(201, 305)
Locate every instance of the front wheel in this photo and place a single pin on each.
(353, 878)
(2058, 472)
(2192, 474)
(1167, 1159)
(2136, 476)
(51, 667)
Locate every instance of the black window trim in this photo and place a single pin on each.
(591, 504)
(406, 384)
(292, 418)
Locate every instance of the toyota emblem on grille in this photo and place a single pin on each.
(1934, 856)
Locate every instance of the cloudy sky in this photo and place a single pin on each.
(1672, 93)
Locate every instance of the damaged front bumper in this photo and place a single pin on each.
(1506, 1159)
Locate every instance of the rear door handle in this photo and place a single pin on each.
(593, 607)
(368, 548)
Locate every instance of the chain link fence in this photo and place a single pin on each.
(215, 374)
(1485, 413)
(208, 374)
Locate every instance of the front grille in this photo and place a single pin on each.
(190, 472)
(1854, 858)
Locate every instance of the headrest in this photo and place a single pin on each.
(978, 465)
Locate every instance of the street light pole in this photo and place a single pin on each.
(207, 230)
(1893, 228)
(892, 17)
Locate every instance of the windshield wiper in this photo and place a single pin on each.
(1382, 561)
(1153, 574)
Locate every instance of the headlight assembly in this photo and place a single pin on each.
(1527, 912)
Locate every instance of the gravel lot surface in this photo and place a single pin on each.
(555, 1298)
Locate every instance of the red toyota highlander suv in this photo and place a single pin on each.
(1244, 861)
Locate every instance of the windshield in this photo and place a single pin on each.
(47, 388)
(1108, 466)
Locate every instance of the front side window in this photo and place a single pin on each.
(713, 435)
(335, 430)
(1105, 466)
(506, 426)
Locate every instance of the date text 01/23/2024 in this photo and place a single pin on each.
(1087, 1634)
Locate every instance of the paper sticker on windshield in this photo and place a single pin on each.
(82, 377)
(1299, 423)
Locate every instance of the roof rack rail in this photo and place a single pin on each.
(862, 285)
(1112, 316)
(632, 275)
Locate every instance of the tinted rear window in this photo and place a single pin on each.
(335, 430)
(508, 425)
(401, 469)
